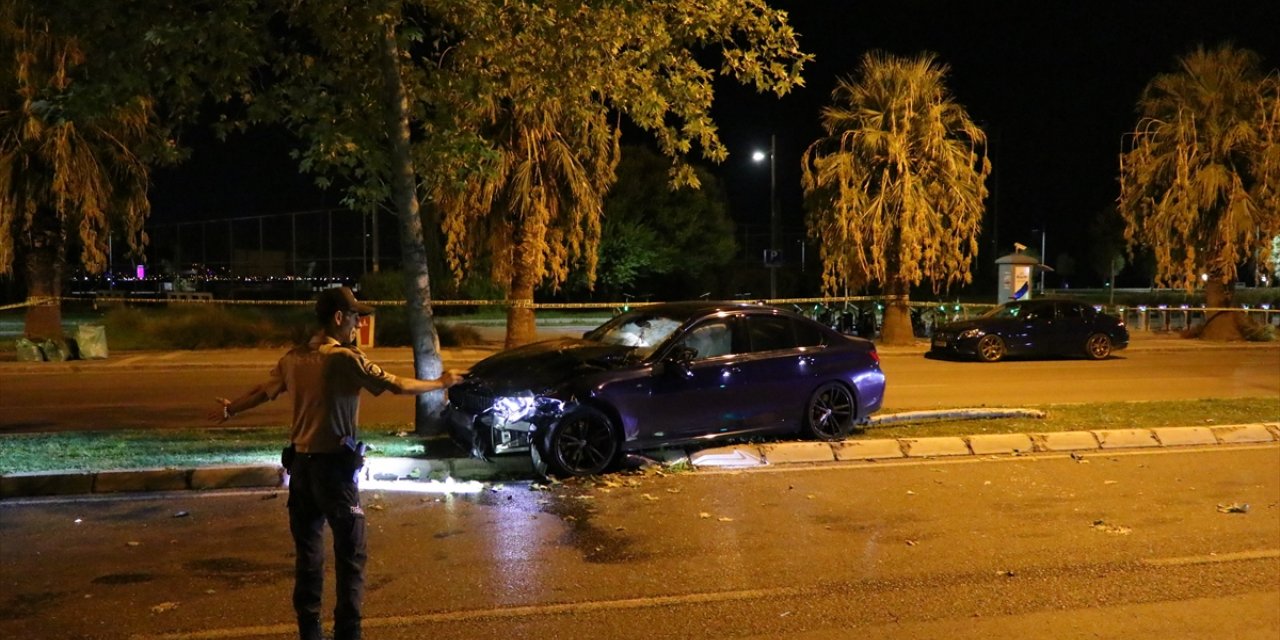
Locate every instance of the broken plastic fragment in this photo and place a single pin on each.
(1235, 507)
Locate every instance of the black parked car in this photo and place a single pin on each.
(1033, 328)
(666, 374)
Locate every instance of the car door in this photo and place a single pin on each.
(1033, 332)
(1072, 327)
(695, 398)
(776, 371)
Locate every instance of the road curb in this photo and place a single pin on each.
(742, 457)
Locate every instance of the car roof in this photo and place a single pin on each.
(691, 308)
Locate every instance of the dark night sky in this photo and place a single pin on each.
(1052, 81)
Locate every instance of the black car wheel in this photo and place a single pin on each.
(583, 443)
(991, 348)
(831, 412)
(1098, 346)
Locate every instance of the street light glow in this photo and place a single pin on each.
(758, 156)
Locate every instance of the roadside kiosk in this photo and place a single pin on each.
(1014, 272)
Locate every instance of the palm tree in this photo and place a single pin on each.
(895, 189)
(1200, 177)
(66, 163)
(549, 176)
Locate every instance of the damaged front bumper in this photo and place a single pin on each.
(489, 424)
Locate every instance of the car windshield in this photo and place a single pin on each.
(644, 331)
(1005, 311)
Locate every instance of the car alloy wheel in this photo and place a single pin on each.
(991, 348)
(831, 412)
(583, 443)
(1098, 346)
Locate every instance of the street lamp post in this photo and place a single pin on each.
(759, 156)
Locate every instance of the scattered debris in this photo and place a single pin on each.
(133, 543)
(648, 497)
(1235, 507)
(725, 519)
(673, 491)
(1113, 529)
(182, 514)
(704, 515)
(1078, 457)
(164, 606)
(78, 520)
(1110, 481)
(911, 543)
(1008, 573)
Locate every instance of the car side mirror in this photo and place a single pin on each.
(683, 355)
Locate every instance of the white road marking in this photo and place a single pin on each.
(501, 613)
(1260, 554)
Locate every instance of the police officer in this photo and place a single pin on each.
(325, 377)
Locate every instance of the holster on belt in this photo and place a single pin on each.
(286, 456)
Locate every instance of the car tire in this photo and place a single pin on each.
(584, 442)
(831, 412)
(1098, 346)
(991, 348)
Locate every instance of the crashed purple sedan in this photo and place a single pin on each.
(666, 374)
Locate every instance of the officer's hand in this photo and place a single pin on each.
(450, 378)
(222, 412)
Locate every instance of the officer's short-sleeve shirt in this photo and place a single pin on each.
(325, 378)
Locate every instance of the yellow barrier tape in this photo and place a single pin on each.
(612, 306)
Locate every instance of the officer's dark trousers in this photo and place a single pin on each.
(322, 489)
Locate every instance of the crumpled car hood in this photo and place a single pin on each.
(541, 366)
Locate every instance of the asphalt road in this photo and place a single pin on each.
(1135, 544)
(175, 390)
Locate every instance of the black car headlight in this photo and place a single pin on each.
(969, 333)
(509, 409)
(514, 418)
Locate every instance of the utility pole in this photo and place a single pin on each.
(773, 215)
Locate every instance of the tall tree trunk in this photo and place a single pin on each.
(521, 323)
(897, 315)
(46, 254)
(1220, 325)
(417, 281)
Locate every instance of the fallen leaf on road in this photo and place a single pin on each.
(725, 519)
(1236, 507)
(673, 491)
(164, 606)
(1113, 529)
(704, 515)
(133, 543)
(911, 543)
(649, 497)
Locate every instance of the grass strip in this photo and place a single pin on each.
(138, 449)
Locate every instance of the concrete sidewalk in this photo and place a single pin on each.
(443, 474)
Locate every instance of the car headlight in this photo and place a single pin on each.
(970, 333)
(510, 409)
